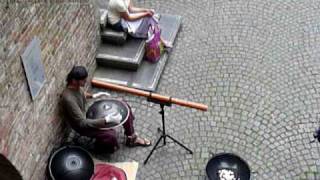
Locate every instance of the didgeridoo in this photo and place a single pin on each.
(159, 97)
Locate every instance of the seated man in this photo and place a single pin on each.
(74, 99)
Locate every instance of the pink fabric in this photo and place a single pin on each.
(153, 44)
(108, 172)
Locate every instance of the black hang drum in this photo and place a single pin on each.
(72, 163)
(230, 162)
(102, 108)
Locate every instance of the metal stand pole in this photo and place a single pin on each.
(164, 135)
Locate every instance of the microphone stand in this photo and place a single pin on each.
(163, 131)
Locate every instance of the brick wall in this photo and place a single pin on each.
(68, 32)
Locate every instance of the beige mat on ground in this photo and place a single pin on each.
(130, 168)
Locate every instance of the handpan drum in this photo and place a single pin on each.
(72, 163)
(227, 166)
(105, 107)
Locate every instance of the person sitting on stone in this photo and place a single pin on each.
(124, 16)
(74, 100)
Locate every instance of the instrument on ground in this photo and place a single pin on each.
(150, 95)
(72, 163)
(113, 108)
(227, 166)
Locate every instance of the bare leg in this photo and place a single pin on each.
(166, 43)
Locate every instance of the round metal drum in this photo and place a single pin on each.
(227, 166)
(72, 163)
(102, 108)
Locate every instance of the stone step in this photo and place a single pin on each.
(147, 76)
(114, 37)
(127, 56)
(107, 34)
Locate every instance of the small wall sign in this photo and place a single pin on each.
(31, 60)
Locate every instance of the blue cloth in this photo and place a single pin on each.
(117, 26)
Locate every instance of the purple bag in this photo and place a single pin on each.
(154, 46)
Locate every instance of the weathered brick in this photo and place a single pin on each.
(30, 129)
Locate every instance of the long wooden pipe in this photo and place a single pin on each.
(161, 98)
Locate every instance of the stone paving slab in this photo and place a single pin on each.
(146, 77)
(128, 56)
(256, 64)
(114, 61)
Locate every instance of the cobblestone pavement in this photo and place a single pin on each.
(257, 65)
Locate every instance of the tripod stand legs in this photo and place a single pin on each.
(164, 135)
(174, 140)
(154, 148)
(164, 143)
(179, 143)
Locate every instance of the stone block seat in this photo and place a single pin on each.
(107, 34)
(117, 50)
(115, 37)
(128, 56)
(123, 64)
